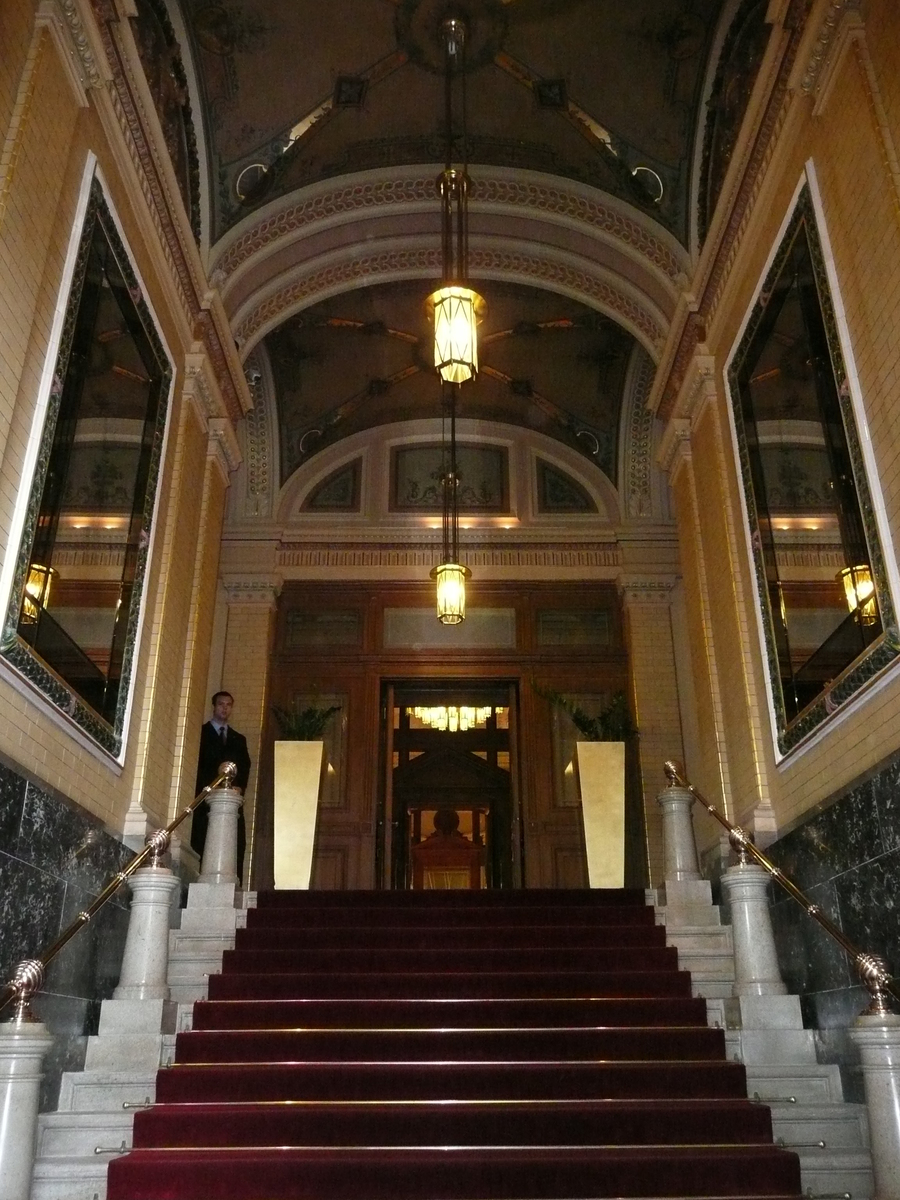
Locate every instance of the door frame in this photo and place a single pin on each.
(388, 812)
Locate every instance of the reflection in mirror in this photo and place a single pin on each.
(74, 611)
(818, 561)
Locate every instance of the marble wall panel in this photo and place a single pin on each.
(54, 860)
(846, 857)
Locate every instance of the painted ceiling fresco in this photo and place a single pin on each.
(601, 91)
(547, 363)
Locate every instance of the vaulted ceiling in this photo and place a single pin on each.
(322, 134)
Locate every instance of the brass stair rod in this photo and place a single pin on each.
(29, 976)
(871, 969)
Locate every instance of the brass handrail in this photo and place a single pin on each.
(871, 969)
(30, 972)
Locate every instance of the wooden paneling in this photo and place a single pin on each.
(361, 669)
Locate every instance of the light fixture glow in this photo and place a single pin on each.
(37, 592)
(455, 338)
(454, 718)
(450, 578)
(859, 591)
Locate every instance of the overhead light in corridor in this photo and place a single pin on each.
(450, 575)
(456, 307)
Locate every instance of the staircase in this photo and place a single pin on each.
(469, 1044)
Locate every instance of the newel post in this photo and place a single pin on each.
(756, 969)
(877, 1034)
(219, 864)
(680, 861)
(24, 1043)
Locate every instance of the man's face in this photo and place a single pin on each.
(222, 709)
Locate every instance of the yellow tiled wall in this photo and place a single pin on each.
(851, 145)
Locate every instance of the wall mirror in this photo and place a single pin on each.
(72, 620)
(827, 612)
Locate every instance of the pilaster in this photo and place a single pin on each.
(648, 630)
(252, 604)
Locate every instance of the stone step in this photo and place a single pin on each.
(818, 1083)
(839, 1174)
(70, 1178)
(83, 1134)
(708, 965)
(106, 1091)
(692, 939)
(840, 1126)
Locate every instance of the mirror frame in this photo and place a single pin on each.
(885, 650)
(13, 649)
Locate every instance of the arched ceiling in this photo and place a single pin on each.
(295, 91)
(547, 363)
(323, 131)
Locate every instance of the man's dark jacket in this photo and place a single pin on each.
(213, 752)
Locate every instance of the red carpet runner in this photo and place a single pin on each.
(451, 1046)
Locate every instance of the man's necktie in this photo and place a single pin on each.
(223, 734)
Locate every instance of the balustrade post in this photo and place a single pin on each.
(680, 861)
(146, 956)
(23, 1046)
(219, 864)
(878, 1039)
(756, 970)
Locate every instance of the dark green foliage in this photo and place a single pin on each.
(297, 724)
(613, 724)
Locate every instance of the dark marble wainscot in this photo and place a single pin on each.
(54, 860)
(846, 858)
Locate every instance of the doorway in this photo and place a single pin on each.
(450, 749)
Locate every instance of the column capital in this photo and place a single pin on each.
(645, 589)
(201, 387)
(258, 590)
(675, 445)
(223, 446)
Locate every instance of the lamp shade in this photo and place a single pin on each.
(451, 592)
(455, 339)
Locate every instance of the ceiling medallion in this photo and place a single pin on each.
(418, 26)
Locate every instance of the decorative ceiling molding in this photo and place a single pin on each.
(77, 45)
(420, 556)
(525, 193)
(637, 438)
(524, 265)
(257, 429)
(823, 43)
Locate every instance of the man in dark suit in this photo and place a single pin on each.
(220, 743)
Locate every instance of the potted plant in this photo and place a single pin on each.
(600, 759)
(299, 755)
